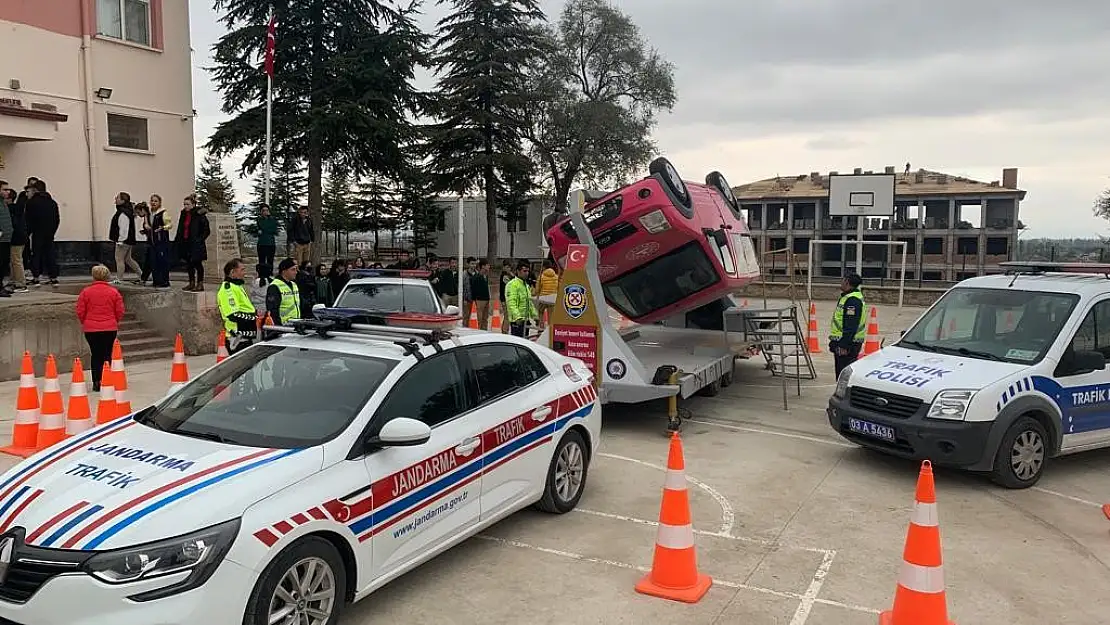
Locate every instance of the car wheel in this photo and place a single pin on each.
(674, 183)
(717, 180)
(305, 585)
(1021, 455)
(566, 477)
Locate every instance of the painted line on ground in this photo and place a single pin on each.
(802, 437)
(809, 598)
(728, 515)
(1068, 497)
(570, 555)
(744, 539)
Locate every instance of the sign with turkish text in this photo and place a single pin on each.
(575, 327)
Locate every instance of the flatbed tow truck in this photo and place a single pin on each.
(640, 363)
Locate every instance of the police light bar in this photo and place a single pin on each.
(1036, 266)
(349, 317)
(390, 273)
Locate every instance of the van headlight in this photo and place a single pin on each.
(842, 382)
(199, 553)
(950, 405)
(655, 222)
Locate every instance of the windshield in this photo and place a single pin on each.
(992, 324)
(640, 292)
(272, 396)
(386, 297)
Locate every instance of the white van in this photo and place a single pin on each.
(1000, 374)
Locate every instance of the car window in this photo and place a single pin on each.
(412, 297)
(431, 392)
(273, 396)
(531, 367)
(1093, 334)
(498, 370)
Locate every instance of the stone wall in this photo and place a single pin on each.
(194, 315)
(47, 325)
(921, 297)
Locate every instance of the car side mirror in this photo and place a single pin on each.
(402, 432)
(316, 307)
(451, 310)
(901, 333)
(1085, 362)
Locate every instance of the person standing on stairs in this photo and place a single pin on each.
(848, 329)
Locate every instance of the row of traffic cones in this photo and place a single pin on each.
(919, 598)
(871, 343)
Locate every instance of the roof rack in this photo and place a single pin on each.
(390, 273)
(1028, 267)
(401, 329)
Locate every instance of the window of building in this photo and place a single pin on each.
(128, 132)
(128, 20)
(518, 221)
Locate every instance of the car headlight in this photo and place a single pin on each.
(655, 222)
(200, 552)
(951, 405)
(842, 382)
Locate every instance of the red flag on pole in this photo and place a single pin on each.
(271, 42)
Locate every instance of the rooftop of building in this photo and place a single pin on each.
(922, 182)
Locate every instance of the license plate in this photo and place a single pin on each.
(885, 432)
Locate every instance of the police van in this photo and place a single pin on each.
(1002, 373)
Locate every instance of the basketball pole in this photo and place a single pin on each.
(859, 244)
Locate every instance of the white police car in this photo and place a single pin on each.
(1000, 374)
(397, 290)
(300, 474)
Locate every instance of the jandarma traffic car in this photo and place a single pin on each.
(295, 477)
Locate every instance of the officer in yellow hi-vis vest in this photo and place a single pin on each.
(283, 298)
(849, 328)
(240, 318)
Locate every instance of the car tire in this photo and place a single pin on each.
(717, 180)
(557, 499)
(1022, 454)
(671, 180)
(311, 549)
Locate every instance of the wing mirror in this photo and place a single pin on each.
(402, 432)
(316, 307)
(451, 310)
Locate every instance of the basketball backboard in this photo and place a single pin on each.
(869, 195)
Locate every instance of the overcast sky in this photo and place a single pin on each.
(794, 86)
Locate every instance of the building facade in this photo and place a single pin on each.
(96, 98)
(954, 228)
(522, 239)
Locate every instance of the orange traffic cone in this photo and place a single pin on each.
(495, 318)
(119, 381)
(79, 417)
(674, 569)
(179, 372)
(812, 343)
(473, 322)
(52, 422)
(221, 347)
(871, 345)
(919, 598)
(25, 430)
(1106, 510)
(106, 407)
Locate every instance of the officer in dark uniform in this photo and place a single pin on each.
(848, 329)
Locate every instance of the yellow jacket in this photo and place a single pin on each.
(548, 283)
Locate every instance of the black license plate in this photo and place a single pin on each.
(874, 430)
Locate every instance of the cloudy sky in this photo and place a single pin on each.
(794, 86)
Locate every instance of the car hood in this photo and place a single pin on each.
(923, 374)
(125, 483)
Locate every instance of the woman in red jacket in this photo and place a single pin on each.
(100, 308)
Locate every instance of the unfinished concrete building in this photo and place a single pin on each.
(954, 227)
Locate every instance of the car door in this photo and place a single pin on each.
(518, 405)
(425, 495)
(1085, 401)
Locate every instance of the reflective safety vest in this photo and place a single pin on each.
(290, 307)
(233, 298)
(838, 318)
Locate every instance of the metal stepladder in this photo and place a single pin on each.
(778, 334)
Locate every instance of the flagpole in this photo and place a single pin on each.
(269, 118)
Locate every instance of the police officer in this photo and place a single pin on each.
(848, 328)
(283, 298)
(240, 318)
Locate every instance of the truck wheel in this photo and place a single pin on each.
(1021, 455)
(713, 389)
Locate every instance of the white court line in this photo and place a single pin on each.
(728, 516)
(1068, 497)
(745, 539)
(632, 567)
(801, 615)
(802, 437)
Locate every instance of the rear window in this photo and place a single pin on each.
(640, 292)
(416, 297)
(272, 396)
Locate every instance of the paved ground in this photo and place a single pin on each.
(796, 526)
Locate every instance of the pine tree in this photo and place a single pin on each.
(376, 207)
(287, 187)
(484, 49)
(343, 96)
(418, 206)
(214, 190)
(519, 188)
(339, 208)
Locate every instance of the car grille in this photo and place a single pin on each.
(889, 404)
(617, 233)
(31, 567)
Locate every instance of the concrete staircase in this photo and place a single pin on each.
(141, 343)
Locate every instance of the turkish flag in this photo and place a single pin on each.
(271, 43)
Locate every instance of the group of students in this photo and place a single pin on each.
(29, 221)
(519, 291)
(150, 222)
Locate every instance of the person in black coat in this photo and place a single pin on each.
(192, 232)
(42, 218)
(306, 283)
